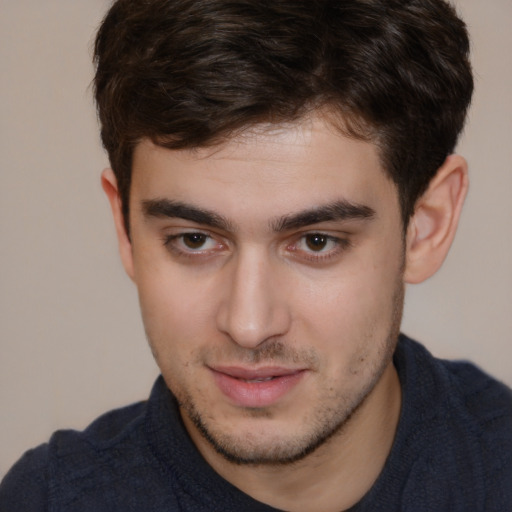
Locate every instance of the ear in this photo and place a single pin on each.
(432, 227)
(109, 184)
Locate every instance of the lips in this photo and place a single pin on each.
(256, 388)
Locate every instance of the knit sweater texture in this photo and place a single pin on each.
(452, 452)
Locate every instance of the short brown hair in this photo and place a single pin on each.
(190, 73)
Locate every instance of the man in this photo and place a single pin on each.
(279, 171)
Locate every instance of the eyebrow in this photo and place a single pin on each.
(176, 209)
(340, 210)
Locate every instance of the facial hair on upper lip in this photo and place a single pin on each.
(273, 352)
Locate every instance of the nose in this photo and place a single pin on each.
(254, 308)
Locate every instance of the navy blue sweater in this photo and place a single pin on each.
(452, 452)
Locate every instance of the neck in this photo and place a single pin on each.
(339, 473)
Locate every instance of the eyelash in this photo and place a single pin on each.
(170, 243)
(341, 245)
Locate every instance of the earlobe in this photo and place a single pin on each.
(109, 184)
(432, 228)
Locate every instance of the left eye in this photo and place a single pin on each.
(317, 242)
(194, 240)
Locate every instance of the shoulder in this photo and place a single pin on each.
(486, 406)
(30, 483)
(25, 487)
(106, 431)
(482, 401)
(485, 397)
(464, 417)
(462, 389)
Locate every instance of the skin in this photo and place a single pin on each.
(233, 276)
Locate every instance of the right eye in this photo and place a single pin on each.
(193, 243)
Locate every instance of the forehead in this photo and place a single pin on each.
(266, 168)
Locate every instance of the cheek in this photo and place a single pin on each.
(176, 311)
(355, 306)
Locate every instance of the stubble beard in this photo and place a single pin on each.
(328, 423)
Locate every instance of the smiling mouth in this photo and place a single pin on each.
(261, 387)
(266, 379)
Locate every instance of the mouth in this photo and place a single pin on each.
(256, 388)
(259, 380)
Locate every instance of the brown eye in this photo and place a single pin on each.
(316, 242)
(194, 240)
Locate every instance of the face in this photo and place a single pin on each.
(269, 272)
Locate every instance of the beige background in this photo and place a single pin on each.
(72, 345)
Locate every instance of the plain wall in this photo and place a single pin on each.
(72, 344)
